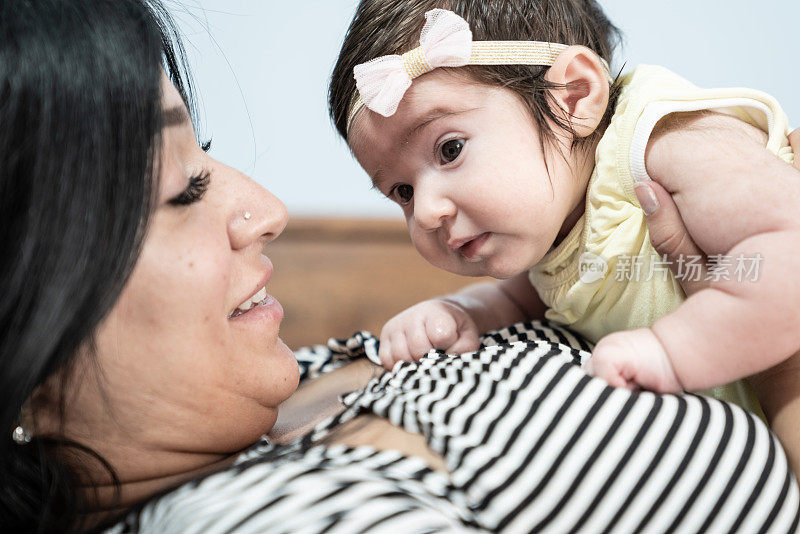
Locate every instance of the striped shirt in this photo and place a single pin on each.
(531, 444)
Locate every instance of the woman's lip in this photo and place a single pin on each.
(471, 248)
(268, 310)
(261, 284)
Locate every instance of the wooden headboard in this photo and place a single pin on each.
(336, 276)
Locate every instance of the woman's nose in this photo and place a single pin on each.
(259, 217)
(432, 208)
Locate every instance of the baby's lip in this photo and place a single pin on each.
(456, 243)
(469, 250)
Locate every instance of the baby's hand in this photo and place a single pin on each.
(431, 324)
(633, 359)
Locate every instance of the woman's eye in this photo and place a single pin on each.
(451, 149)
(402, 193)
(197, 187)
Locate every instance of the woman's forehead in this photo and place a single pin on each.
(170, 97)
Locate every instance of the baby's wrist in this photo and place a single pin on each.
(464, 304)
(454, 301)
(669, 372)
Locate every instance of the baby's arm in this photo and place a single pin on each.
(735, 197)
(453, 322)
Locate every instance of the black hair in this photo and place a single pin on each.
(80, 122)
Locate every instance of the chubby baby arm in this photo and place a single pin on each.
(739, 200)
(453, 322)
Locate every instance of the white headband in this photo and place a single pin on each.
(446, 41)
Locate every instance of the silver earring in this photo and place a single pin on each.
(21, 435)
(247, 216)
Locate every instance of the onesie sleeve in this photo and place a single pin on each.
(661, 93)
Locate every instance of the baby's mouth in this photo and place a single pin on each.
(469, 250)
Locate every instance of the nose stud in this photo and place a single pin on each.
(247, 216)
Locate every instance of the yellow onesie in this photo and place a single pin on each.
(605, 275)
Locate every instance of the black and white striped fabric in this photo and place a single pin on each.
(531, 443)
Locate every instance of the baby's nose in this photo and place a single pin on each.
(431, 210)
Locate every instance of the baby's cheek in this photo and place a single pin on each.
(437, 256)
(423, 243)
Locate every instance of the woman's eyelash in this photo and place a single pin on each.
(198, 185)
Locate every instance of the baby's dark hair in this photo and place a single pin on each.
(382, 27)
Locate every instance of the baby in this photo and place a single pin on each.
(514, 154)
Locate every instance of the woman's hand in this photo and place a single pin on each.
(668, 233)
(431, 324)
(636, 358)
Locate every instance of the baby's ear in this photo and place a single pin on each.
(585, 96)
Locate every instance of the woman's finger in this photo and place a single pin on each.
(794, 140)
(670, 238)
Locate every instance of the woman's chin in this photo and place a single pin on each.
(291, 372)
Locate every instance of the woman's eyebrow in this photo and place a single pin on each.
(175, 116)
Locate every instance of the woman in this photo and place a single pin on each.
(128, 366)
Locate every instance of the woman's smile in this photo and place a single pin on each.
(267, 309)
(260, 305)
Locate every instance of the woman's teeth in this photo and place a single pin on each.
(250, 303)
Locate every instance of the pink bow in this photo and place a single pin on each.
(446, 41)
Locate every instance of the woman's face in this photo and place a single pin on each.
(177, 372)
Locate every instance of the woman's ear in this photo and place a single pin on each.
(585, 96)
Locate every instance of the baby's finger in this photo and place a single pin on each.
(602, 365)
(634, 359)
(466, 343)
(442, 331)
(385, 351)
(418, 342)
(400, 350)
(669, 236)
(468, 340)
(794, 140)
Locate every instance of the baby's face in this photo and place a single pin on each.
(465, 164)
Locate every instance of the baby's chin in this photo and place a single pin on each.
(503, 268)
(491, 267)
(503, 273)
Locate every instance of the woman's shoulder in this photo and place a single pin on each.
(295, 488)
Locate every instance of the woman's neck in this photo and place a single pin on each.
(107, 501)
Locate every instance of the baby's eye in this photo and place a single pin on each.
(402, 193)
(451, 149)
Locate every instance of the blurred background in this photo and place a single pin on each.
(262, 67)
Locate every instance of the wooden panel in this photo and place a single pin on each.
(337, 276)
